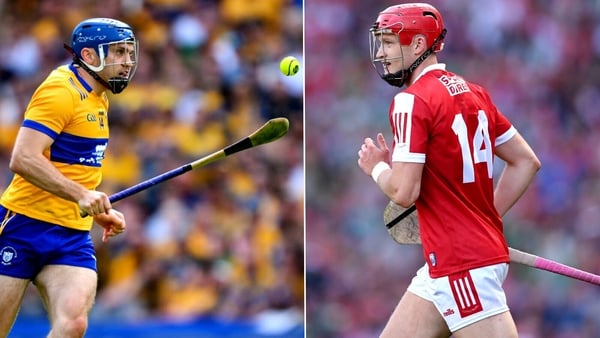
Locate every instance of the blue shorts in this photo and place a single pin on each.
(27, 245)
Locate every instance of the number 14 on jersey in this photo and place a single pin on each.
(481, 145)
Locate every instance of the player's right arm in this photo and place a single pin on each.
(401, 182)
(28, 161)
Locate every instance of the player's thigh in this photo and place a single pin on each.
(67, 291)
(11, 294)
(415, 317)
(501, 325)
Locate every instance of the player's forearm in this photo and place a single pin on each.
(387, 186)
(521, 166)
(41, 173)
(401, 184)
(512, 184)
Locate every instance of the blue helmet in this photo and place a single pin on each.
(92, 33)
(100, 34)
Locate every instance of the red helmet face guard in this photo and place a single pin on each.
(381, 58)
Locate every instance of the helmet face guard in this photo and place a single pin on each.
(116, 46)
(377, 39)
(122, 64)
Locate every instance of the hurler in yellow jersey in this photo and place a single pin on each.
(56, 160)
(65, 109)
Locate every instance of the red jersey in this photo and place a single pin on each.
(452, 127)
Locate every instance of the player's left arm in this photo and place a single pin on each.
(521, 166)
(113, 223)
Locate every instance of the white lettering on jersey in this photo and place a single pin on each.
(454, 84)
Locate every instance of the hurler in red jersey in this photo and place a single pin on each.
(446, 133)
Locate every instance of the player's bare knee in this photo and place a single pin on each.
(70, 327)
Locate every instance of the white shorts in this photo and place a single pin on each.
(466, 297)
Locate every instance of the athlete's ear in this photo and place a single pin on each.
(419, 44)
(88, 55)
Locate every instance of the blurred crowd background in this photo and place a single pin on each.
(225, 241)
(540, 60)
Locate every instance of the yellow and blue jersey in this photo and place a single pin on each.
(65, 108)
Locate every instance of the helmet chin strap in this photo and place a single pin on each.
(399, 78)
(115, 84)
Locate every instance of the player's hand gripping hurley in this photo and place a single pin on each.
(403, 226)
(272, 130)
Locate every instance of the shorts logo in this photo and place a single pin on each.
(8, 254)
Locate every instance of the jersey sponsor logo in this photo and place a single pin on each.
(98, 155)
(8, 253)
(465, 293)
(454, 84)
(73, 149)
(99, 118)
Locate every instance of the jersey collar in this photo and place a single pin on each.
(80, 79)
(437, 66)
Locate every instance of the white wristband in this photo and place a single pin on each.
(378, 169)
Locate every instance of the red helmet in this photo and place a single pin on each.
(407, 20)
